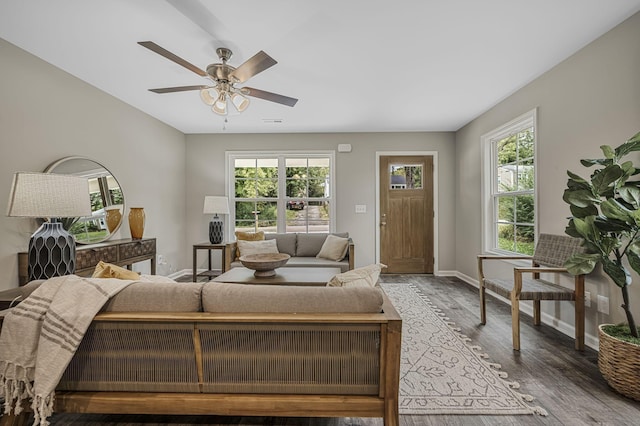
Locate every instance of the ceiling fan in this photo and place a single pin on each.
(224, 77)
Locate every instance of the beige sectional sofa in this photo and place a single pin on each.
(245, 350)
(303, 249)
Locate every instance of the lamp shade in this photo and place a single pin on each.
(48, 195)
(215, 205)
(52, 250)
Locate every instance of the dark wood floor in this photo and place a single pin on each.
(563, 381)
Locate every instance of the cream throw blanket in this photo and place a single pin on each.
(40, 336)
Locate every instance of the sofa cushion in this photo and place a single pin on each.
(286, 242)
(256, 247)
(310, 244)
(360, 277)
(157, 294)
(225, 297)
(334, 248)
(316, 262)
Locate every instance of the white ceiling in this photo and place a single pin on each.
(355, 65)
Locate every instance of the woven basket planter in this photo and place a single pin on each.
(619, 364)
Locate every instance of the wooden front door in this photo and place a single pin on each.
(406, 214)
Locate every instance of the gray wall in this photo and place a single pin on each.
(590, 99)
(355, 177)
(46, 114)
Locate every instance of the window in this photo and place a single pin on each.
(282, 192)
(509, 196)
(405, 176)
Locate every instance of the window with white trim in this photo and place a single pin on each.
(509, 196)
(282, 192)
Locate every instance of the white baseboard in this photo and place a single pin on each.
(563, 327)
(445, 274)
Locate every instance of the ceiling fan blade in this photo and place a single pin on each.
(178, 60)
(252, 66)
(178, 89)
(273, 97)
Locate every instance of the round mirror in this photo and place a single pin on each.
(107, 201)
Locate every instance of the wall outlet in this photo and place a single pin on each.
(603, 304)
(587, 299)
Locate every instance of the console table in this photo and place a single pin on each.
(124, 252)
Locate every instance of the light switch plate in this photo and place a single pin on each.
(603, 304)
(361, 208)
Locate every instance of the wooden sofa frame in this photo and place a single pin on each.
(384, 404)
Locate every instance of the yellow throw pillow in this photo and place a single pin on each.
(250, 236)
(108, 270)
(247, 236)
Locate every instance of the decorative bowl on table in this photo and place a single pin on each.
(264, 264)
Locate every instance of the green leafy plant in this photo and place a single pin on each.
(606, 214)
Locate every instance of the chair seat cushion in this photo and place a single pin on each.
(532, 289)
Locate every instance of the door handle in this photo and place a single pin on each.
(383, 220)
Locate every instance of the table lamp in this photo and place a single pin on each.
(52, 250)
(216, 205)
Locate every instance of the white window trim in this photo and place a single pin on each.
(528, 119)
(230, 157)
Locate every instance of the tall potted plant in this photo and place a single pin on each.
(605, 213)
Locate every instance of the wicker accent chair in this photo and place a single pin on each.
(549, 257)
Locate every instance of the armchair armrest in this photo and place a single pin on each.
(539, 269)
(483, 257)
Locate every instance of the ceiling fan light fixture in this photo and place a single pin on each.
(209, 95)
(239, 101)
(220, 105)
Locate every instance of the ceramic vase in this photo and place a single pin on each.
(136, 222)
(113, 218)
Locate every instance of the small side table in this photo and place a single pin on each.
(210, 273)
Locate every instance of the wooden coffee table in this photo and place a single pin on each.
(284, 276)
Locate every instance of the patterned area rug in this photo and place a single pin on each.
(441, 372)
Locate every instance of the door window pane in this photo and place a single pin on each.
(405, 176)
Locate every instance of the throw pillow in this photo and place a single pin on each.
(257, 247)
(334, 248)
(248, 236)
(359, 277)
(108, 270)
